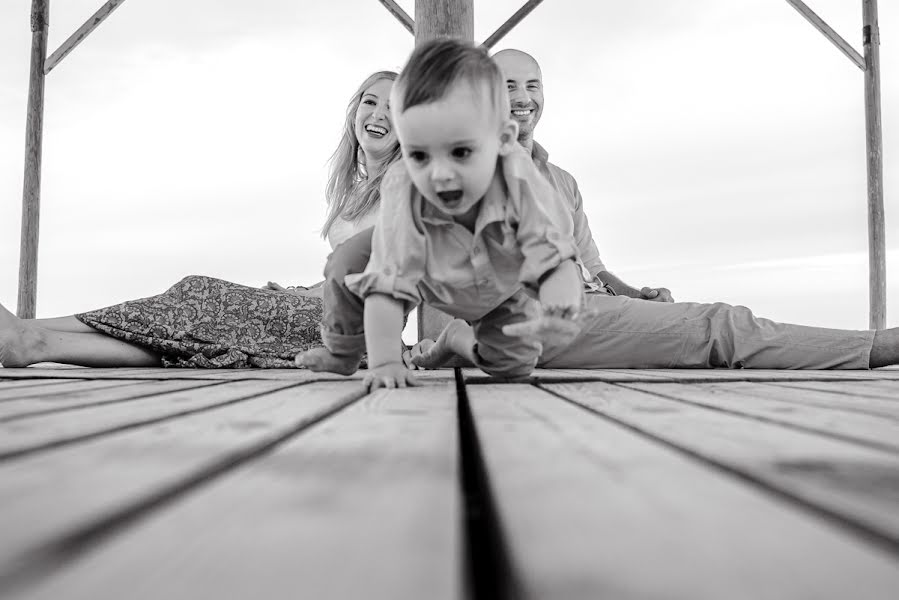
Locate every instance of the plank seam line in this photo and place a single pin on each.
(28, 450)
(880, 446)
(853, 410)
(863, 395)
(865, 532)
(489, 570)
(45, 558)
(76, 407)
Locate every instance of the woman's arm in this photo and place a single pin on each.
(383, 338)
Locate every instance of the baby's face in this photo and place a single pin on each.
(451, 147)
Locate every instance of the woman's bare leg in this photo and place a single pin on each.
(24, 343)
(70, 324)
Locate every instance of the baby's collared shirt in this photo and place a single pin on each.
(523, 230)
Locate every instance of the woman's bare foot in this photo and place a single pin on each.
(18, 341)
(456, 339)
(322, 360)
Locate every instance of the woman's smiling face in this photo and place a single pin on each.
(373, 127)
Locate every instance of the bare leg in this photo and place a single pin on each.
(885, 350)
(70, 324)
(23, 343)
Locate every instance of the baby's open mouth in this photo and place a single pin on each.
(450, 198)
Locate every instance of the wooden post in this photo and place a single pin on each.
(434, 19)
(874, 143)
(31, 194)
(444, 18)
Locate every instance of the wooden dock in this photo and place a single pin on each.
(718, 485)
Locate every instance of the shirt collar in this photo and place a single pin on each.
(539, 155)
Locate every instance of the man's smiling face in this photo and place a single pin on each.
(525, 84)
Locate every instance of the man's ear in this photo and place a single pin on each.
(508, 136)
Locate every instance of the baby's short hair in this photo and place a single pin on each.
(437, 65)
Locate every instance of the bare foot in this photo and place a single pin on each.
(322, 360)
(17, 340)
(456, 339)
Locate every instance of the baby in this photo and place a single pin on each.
(467, 224)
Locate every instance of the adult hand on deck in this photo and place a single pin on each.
(552, 327)
(657, 294)
(389, 375)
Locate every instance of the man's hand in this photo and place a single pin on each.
(657, 294)
(389, 375)
(552, 327)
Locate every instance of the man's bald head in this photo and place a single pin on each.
(525, 83)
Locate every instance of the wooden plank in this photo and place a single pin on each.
(850, 484)
(81, 34)
(710, 375)
(49, 431)
(828, 32)
(364, 505)
(81, 388)
(787, 407)
(444, 18)
(121, 476)
(882, 396)
(590, 509)
(8, 384)
(11, 410)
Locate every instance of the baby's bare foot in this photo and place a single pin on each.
(452, 342)
(322, 360)
(16, 339)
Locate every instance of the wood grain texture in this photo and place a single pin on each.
(52, 430)
(444, 18)
(74, 401)
(591, 509)
(855, 486)
(122, 474)
(75, 388)
(795, 408)
(363, 505)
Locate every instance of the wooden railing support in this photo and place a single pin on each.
(874, 144)
(829, 33)
(435, 19)
(514, 20)
(402, 16)
(31, 193)
(80, 34)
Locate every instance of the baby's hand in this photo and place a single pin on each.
(389, 375)
(553, 326)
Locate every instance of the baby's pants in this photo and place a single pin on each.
(343, 315)
(639, 334)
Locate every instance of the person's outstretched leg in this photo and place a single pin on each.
(23, 343)
(638, 334)
(343, 332)
(885, 350)
(70, 324)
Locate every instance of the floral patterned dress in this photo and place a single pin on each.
(206, 322)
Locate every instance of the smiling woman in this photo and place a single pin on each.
(207, 322)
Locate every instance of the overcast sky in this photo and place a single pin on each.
(719, 144)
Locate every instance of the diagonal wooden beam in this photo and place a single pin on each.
(79, 35)
(514, 20)
(402, 16)
(829, 33)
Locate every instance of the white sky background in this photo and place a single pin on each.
(719, 144)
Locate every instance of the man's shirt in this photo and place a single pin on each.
(523, 230)
(567, 188)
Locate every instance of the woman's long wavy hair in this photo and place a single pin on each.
(352, 192)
